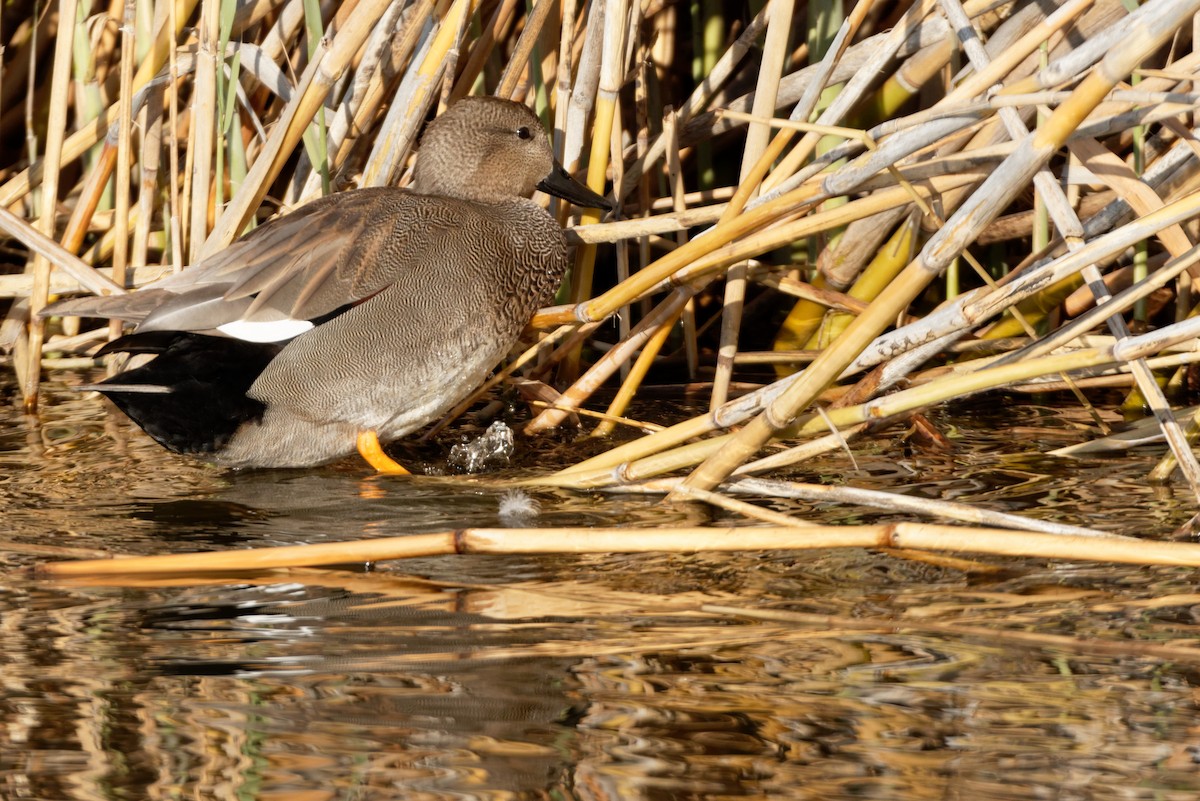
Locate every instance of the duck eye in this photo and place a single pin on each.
(523, 133)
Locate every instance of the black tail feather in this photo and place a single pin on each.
(144, 342)
(207, 378)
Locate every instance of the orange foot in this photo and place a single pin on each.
(372, 451)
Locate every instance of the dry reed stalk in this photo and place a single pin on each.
(92, 191)
(703, 268)
(572, 116)
(779, 25)
(611, 72)
(203, 125)
(324, 69)
(601, 307)
(83, 139)
(915, 536)
(632, 380)
(610, 420)
(798, 454)
(525, 43)
(55, 135)
(415, 95)
(502, 19)
(361, 97)
(638, 373)
(640, 462)
(890, 502)
(755, 174)
(1156, 21)
(748, 510)
(855, 248)
(996, 376)
(1065, 219)
(120, 261)
(665, 314)
(368, 104)
(599, 472)
(973, 307)
(51, 251)
(633, 377)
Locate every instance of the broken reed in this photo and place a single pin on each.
(289, 99)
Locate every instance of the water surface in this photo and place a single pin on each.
(831, 675)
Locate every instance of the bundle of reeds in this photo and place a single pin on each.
(851, 161)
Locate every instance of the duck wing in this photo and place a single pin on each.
(294, 271)
(349, 248)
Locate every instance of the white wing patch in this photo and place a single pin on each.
(265, 330)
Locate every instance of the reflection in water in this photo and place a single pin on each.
(593, 677)
(399, 688)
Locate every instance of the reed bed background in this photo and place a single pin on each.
(887, 205)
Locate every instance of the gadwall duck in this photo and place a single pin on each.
(359, 317)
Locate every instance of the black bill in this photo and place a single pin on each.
(560, 184)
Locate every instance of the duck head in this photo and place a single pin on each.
(493, 150)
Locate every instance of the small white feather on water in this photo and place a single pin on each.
(518, 508)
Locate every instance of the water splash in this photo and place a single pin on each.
(490, 451)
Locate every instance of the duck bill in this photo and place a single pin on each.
(560, 184)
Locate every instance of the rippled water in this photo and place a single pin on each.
(835, 675)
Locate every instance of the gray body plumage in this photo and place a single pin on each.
(417, 294)
(403, 357)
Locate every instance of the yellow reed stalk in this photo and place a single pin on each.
(82, 140)
(701, 268)
(400, 127)
(124, 152)
(679, 205)
(754, 177)
(983, 206)
(517, 62)
(1167, 464)
(642, 448)
(798, 454)
(626, 473)
(779, 26)
(90, 195)
(1004, 62)
(322, 72)
(921, 536)
(1030, 313)
(48, 249)
(56, 127)
(791, 203)
(746, 509)
(644, 280)
(957, 385)
(597, 169)
(203, 127)
(502, 17)
(888, 262)
(637, 374)
(612, 64)
(374, 95)
(782, 234)
(603, 369)
(175, 181)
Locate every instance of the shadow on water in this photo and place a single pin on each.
(585, 677)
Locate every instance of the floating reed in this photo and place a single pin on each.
(911, 536)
